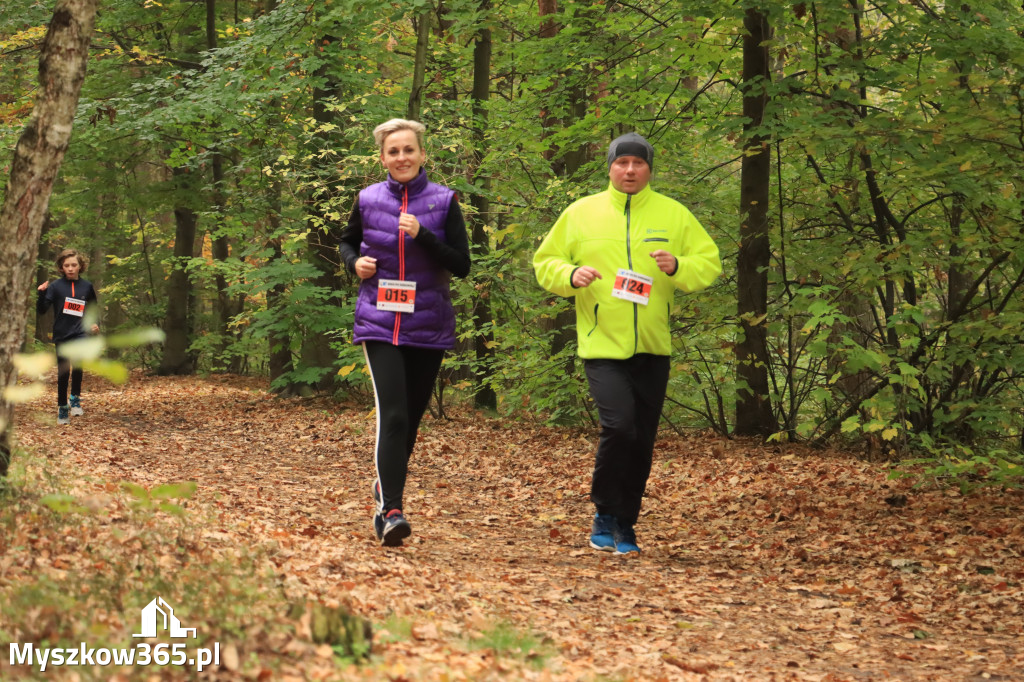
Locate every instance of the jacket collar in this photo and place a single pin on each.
(415, 185)
(619, 198)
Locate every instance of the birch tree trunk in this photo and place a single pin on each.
(37, 160)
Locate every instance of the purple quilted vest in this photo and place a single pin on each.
(432, 325)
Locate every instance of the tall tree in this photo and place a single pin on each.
(179, 317)
(179, 323)
(422, 25)
(754, 415)
(227, 306)
(37, 160)
(316, 348)
(485, 395)
(565, 163)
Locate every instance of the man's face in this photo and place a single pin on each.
(629, 174)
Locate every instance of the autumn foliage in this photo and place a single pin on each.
(759, 562)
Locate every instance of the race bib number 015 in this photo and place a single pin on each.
(74, 306)
(632, 286)
(396, 295)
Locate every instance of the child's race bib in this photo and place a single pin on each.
(74, 306)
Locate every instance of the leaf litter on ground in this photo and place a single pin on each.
(759, 562)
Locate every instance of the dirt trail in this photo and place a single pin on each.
(759, 563)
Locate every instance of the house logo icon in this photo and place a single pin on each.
(158, 611)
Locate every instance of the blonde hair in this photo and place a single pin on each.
(381, 132)
(68, 253)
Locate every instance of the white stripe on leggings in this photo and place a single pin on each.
(376, 446)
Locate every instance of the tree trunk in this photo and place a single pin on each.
(485, 396)
(44, 270)
(753, 403)
(227, 306)
(37, 159)
(562, 322)
(419, 66)
(316, 349)
(564, 164)
(178, 318)
(279, 343)
(548, 27)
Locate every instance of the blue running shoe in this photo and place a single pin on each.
(601, 533)
(376, 495)
(625, 539)
(76, 406)
(391, 528)
(63, 414)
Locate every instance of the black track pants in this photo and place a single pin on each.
(403, 379)
(65, 372)
(629, 395)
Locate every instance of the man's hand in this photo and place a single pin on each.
(584, 276)
(366, 267)
(667, 263)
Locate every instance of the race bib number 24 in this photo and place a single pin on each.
(632, 286)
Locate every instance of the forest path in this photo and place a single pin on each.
(758, 563)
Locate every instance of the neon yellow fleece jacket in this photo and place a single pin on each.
(612, 230)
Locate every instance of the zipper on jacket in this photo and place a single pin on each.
(401, 261)
(629, 259)
(596, 305)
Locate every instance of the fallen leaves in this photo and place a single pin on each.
(758, 562)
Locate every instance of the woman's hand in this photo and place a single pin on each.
(43, 286)
(366, 267)
(407, 223)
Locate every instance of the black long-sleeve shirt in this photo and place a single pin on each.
(68, 298)
(452, 253)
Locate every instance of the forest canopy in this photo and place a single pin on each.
(859, 165)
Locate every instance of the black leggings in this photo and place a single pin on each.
(629, 395)
(65, 372)
(403, 379)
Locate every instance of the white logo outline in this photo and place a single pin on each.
(171, 622)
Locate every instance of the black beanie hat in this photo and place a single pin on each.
(631, 144)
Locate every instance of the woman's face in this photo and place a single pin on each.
(402, 156)
(71, 267)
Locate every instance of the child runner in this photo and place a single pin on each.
(69, 297)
